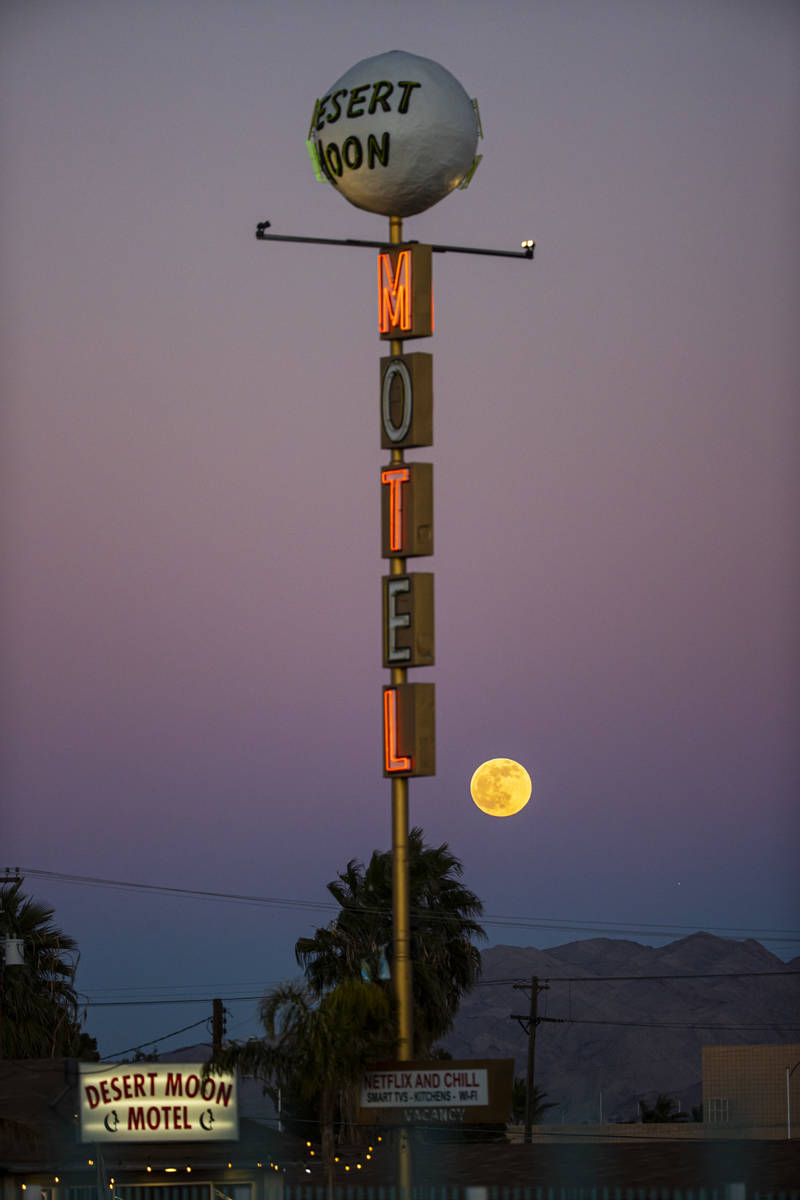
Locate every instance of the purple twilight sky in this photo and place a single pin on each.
(191, 559)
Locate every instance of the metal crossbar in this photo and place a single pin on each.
(261, 236)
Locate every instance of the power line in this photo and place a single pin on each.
(775, 1025)
(168, 890)
(637, 978)
(102, 998)
(143, 1003)
(554, 924)
(172, 1000)
(153, 1041)
(616, 928)
(667, 1024)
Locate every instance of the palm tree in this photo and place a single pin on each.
(661, 1111)
(39, 1006)
(444, 913)
(519, 1093)
(316, 1048)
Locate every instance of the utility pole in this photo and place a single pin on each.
(529, 1024)
(789, 1073)
(217, 1026)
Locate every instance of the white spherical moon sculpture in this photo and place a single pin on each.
(395, 134)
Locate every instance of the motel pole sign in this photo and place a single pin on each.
(395, 135)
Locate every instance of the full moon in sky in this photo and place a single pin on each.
(500, 787)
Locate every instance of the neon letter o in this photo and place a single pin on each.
(396, 433)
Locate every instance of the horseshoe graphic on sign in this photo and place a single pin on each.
(112, 1116)
(206, 1116)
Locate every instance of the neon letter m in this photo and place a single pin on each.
(394, 292)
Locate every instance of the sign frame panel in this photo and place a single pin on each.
(408, 638)
(409, 729)
(442, 1091)
(157, 1102)
(405, 291)
(406, 400)
(407, 510)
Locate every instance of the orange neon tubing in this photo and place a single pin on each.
(394, 292)
(395, 477)
(393, 760)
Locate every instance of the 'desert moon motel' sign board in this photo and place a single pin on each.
(156, 1102)
(473, 1092)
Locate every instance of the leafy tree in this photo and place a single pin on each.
(444, 922)
(40, 1008)
(316, 1048)
(519, 1093)
(141, 1055)
(660, 1112)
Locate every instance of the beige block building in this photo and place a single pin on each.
(752, 1090)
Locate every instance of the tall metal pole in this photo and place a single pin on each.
(401, 920)
(402, 966)
(401, 907)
